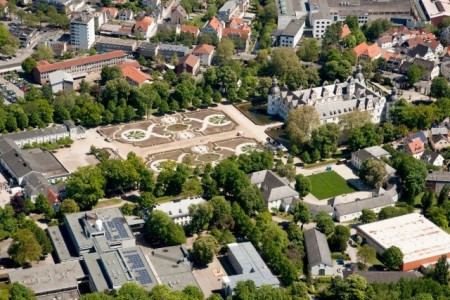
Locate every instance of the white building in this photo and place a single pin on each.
(178, 210)
(292, 34)
(330, 100)
(205, 52)
(318, 253)
(61, 81)
(82, 32)
(229, 10)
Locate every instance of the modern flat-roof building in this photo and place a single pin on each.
(173, 267)
(420, 240)
(61, 81)
(249, 266)
(51, 279)
(79, 67)
(111, 270)
(318, 252)
(229, 10)
(291, 35)
(109, 44)
(178, 210)
(82, 31)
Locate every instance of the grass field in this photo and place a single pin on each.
(329, 184)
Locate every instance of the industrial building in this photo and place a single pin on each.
(419, 239)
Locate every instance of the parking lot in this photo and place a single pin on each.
(13, 87)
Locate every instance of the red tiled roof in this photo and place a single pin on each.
(345, 31)
(135, 75)
(215, 23)
(4, 2)
(371, 51)
(236, 22)
(80, 61)
(203, 49)
(143, 23)
(42, 63)
(192, 29)
(133, 63)
(416, 146)
(234, 32)
(112, 10)
(190, 60)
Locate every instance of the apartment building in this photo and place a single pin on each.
(82, 32)
(108, 44)
(79, 67)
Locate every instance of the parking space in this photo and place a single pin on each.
(13, 87)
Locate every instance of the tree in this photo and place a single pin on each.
(392, 258)
(298, 291)
(414, 74)
(201, 215)
(8, 43)
(373, 172)
(440, 271)
(28, 65)
(69, 206)
(110, 73)
(301, 213)
(339, 240)
(85, 186)
(324, 222)
(333, 34)
(308, 50)
(204, 249)
(324, 138)
(428, 199)
(439, 87)
(24, 248)
(300, 124)
(224, 51)
(368, 216)
(146, 201)
(41, 204)
(161, 229)
(131, 291)
(221, 217)
(352, 22)
(443, 195)
(244, 290)
(43, 52)
(366, 254)
(21, 292)
(193, 293)
(413, 173)
(147, 181)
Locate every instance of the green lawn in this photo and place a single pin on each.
(107, 203)
(329, 184)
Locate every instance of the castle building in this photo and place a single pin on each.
(330, 100)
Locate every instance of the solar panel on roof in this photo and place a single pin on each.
(144, 277)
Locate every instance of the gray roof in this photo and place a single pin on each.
(315, 209)
(148, 46)
(439, 130)
(439, 176)
(48, 278)
(229, 5)
(115, 228)
(375, 151)
(317, 248)
(293, 27)
(24, 135)
(36, 184)
(113, 269)
(59, 243)
(173, 267)
(421, 135)
(115, 41)
(429, 156)
(251, 265)
(170, 47)
(272, 186)
(383, 276)
(59, 76)
(385, 199)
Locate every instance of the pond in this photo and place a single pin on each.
(257, 113)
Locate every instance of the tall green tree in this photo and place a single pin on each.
(392, 258)
(204, 249)
(24, 247)
(300, 124)
(302, 185)
(440, 271)
(324, 222)
(201, 216)
(85, 186)
(161, 229)
(373, 172)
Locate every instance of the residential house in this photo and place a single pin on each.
(189, 64)
(194, 30)
(213, 26)
(276, 191)
(439, 130)
(430, 68)
(415, 148)
(318, 253)
(445, 35)
(152, 3)
(345, 31)
(435, 181)
(386, 42)
(421, 135)
(236, 23)
(240, 36)
(146, 26)
(205, 53)
(439, 142)
(111, 12)
(167, 51)
(126, 15)
(291, 35)
(178, 210)
(61, 81)
(228, 10)
(178, 15)
(375, 152)
(131, 72)
(366, 52)
(423, 52)
(432, 158)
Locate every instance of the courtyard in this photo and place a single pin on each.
(329, 184)
(170, 128)
(200, 155)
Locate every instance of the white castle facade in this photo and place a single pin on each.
(330, 100)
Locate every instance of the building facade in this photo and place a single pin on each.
(82, 32)
(330, 100)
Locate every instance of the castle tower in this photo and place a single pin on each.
(274, 98)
